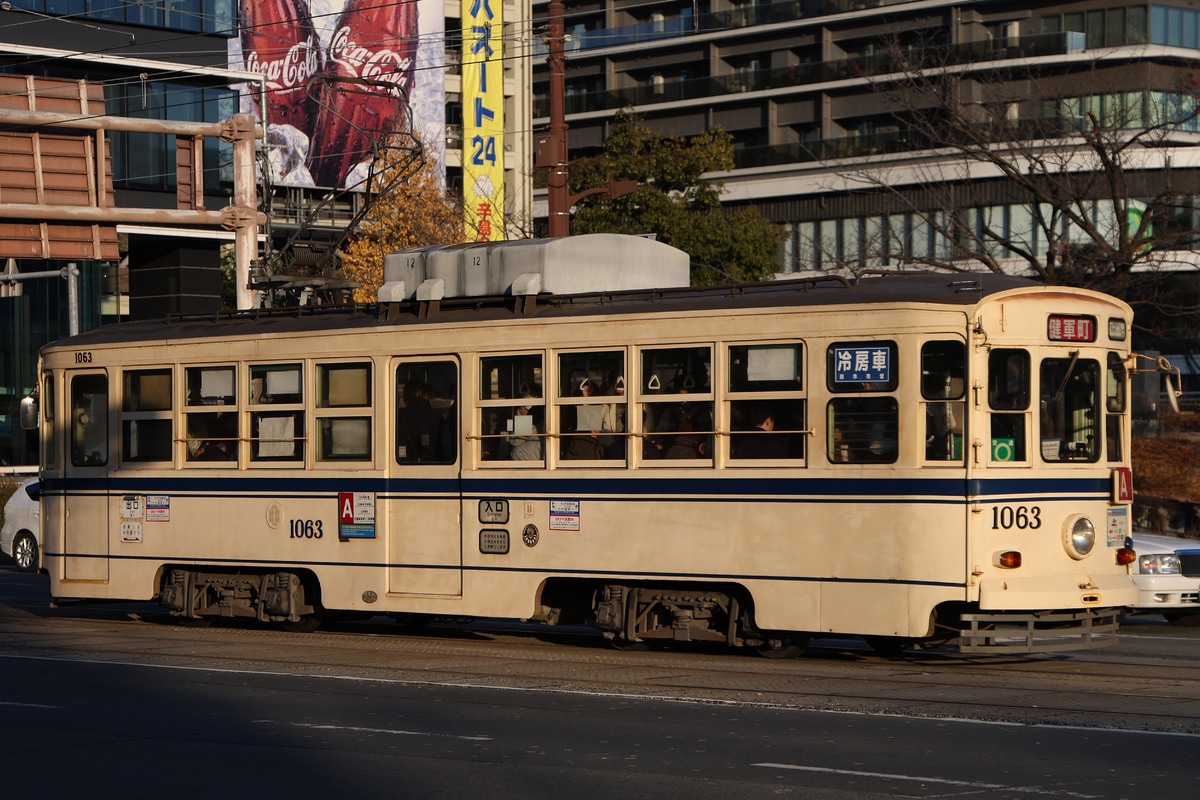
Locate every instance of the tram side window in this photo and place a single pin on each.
(1118, 378)
(427, 412)
(863, 429)
(89, 420)
(766, 402)
(943, 368)
(343, 412)
(146, 424)
(212, 435)
(1070, 409)
(677, 403)
(591, 406)
(512, 422)
(276, 412)
(1008, 401)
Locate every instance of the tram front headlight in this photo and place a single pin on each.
(1079, 536)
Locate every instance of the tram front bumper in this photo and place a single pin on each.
(1057, 593)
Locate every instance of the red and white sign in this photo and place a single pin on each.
(1122, 485)
(1064, 328)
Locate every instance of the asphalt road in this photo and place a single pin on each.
(114, 699)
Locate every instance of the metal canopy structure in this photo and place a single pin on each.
(56, 194)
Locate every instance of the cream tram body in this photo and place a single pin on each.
(320, 501)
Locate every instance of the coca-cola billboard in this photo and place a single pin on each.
(340, 76)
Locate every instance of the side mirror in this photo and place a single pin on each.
(29, 413)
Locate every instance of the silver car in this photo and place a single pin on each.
(1162, 587)
(21, 534)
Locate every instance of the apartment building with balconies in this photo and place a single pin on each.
(809, 91)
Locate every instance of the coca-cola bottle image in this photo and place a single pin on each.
(278, 40)
(375, 40)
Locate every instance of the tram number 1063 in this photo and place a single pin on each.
(306, 529)
(1020, 517)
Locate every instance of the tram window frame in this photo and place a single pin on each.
(1059, 429)
(943, 400)
(275, 400)
(89, 421)
(50, 442)
(414, 442)
(344, 434)
(666, 374)
(512, 390)
(862, 378)
(1115, 402)
(147, 416)
(1008, 406)
(210, 440)
(766, 382)
(849, 442)
(594, 380)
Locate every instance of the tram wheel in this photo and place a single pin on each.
(788, 648)
(306, 624)
(628, 646)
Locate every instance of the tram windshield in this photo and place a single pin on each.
(1070, 409)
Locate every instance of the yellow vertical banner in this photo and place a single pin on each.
(483, 120)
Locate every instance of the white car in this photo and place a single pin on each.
(21, 534)
(1162, 588)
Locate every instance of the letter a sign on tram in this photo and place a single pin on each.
(356, 515)
(1122, 485)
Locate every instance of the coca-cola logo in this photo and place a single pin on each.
(363, 62)
(301, 62)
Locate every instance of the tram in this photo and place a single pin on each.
(563, 431)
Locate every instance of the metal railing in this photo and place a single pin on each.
(807, 75)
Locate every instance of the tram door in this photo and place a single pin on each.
(86, 464)
(425, 487)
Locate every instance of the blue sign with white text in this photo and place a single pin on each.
(862, 365)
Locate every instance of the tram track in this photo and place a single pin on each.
(1104, 689)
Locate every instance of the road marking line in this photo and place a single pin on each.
(923, 779)
(27, 705)
(356, 729)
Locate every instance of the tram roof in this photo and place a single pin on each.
(954, 290)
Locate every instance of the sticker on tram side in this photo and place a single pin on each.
(131, 531)
(132, 507)
(1118, 526)
(158, 508)
(356, 515)
(564, 515)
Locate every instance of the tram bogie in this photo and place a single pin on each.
(263, 596)
(913, 459)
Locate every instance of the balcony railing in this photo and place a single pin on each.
(901, 141)
(1045, 44)
(671, 27)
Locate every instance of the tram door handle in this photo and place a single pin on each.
(976, 446)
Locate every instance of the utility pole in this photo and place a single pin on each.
(554, 152)
(552, 148)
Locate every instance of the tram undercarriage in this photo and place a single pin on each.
(266, 597)
(634, 616)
